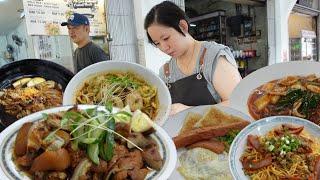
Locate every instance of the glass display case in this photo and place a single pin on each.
(304, 48)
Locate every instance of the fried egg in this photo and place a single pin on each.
(200, 163)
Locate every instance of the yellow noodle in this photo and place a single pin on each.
(298, 168)
(103, 88)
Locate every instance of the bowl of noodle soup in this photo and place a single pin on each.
(121, 84)
(276, 147)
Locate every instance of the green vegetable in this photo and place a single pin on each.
(108, 106)
(124, 116)
(109, 146)
(271, 148)
(228, 138)
(123, 81)
(288, 100)
(93, 152)
(89, 140)
(90, 112)
(310, 101)
(72, 115)
(282, 145)
(50, 137)
(94, 131)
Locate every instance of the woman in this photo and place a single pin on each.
(199, 73)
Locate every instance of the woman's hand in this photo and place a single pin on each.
(177, 107)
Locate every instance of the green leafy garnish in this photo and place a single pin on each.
(228, 138)
(93, 130)
(282, 145)
(123, 81)
(309, 102)
(108, 106)
(309, 99)
(292, 96)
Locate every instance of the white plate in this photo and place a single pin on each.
(122, 66)
(259, 128)
(240, 94)
(174, 124)
(8, 169)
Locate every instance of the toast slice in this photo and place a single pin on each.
(215, 117)
(190, 121)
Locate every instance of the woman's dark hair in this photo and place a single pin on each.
(166, 13)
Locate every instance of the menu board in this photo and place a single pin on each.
(43, 17)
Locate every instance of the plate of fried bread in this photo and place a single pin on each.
(202, 136)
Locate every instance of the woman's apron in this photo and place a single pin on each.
(191, 90)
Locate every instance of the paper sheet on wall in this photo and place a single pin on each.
(43, 17)
(44, 47)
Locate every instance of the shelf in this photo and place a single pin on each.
(211, 28)
(246, 58)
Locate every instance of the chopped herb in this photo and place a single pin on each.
(228, 138)
(282, 145)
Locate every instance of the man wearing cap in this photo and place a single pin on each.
(87, 52)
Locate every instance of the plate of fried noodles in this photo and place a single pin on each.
(277, 147)
(122, 84)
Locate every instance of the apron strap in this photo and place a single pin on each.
(166, 70)
(201, 62)
(166, 67)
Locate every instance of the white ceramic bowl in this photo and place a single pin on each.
(259, 128)
(121, 66)
(241, 93)
(8, 170)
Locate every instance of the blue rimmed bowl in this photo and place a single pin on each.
(262, 127)
(9, 170)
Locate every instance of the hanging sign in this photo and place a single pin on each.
(43, 17)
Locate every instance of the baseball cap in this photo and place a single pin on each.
(76, 19)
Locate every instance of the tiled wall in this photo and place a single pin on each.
(120, 25)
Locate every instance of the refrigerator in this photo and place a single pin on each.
(304, 47)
